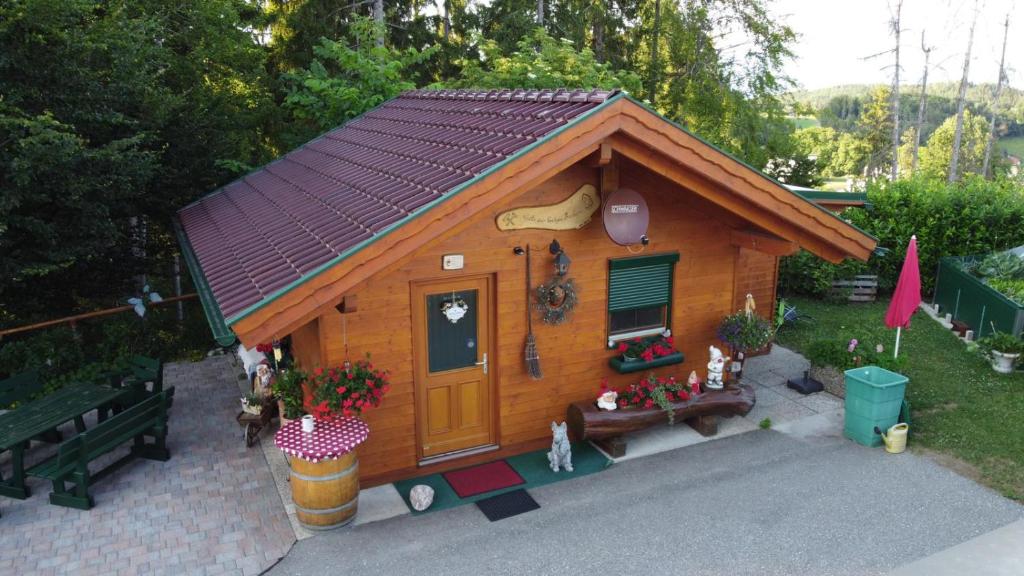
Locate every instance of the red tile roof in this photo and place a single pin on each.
(258, 235)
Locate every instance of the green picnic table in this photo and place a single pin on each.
(17, 427)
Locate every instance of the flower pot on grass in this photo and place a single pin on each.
(1003, 350)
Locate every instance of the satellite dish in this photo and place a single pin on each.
(626, 216)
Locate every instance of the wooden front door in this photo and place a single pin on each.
(454, 365)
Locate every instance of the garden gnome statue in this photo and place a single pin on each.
(749, 306)
(261, 383)
(715, 368)
(561, 452)
(607, 400)
(421, 497)
(693, 382)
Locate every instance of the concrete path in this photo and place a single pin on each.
(798, 499)
(997, 553)
(211, 509)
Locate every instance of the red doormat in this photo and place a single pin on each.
(483, 478)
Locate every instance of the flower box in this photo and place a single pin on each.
(627, 367)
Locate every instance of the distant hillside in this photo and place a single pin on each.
(978, 94)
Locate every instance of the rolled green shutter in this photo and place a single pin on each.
(640, 282)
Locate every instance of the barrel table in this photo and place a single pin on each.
(324, 470)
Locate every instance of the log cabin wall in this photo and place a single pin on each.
(756, 274)
(573, 355)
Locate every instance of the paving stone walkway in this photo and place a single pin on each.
(211, 509)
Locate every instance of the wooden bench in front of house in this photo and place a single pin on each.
(21, 388)
(71, 463)
(606, 427)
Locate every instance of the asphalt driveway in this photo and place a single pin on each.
(796, 500)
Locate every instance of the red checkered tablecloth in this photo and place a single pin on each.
(329, 440)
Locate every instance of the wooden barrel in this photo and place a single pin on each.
(325, 493)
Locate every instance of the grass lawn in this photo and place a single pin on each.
(960, 406)
(1015, 145)
(804, 121)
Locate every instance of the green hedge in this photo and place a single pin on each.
(971, 217)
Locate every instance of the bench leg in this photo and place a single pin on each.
(79, 424)
(155, 451)
(705, 425)
(14, 487)
(80, 500)
(614, 447)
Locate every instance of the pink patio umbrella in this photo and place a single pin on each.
(907, 296)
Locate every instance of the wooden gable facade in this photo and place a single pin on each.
(721, 224)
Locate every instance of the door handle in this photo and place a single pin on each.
(483, 363)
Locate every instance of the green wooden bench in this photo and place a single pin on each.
(71, 463)
(143, 369)
(19, 388)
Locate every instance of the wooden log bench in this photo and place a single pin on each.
(606, 427)
(71, 463)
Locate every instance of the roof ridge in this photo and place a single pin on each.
(579, 95)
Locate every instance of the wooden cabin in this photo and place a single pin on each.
(359, 241)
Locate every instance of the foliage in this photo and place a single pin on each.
(974, 216)
(765, 423)
(1011, 288)
(1001, 342)
(799, 171)
(288, 389)
(874, 127)
(1001, 266)
(961, 407)
(846, 354)
(253, 400)
(342, 82)
(937, 154)
(347, 390)
(653, 391)
(647, 349)
(741, 332)
(541, 61)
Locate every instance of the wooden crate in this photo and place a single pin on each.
(862, 288)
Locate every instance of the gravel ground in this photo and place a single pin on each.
(804, 501)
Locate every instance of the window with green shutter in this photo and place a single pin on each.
(640, 295)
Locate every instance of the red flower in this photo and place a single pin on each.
(318, 372)
(670, 340)
(649, 403)
(349, 374)
(622, 347)
(359, 403)
(622, 402)
(647, 355)
(683, 395)
(386, 388)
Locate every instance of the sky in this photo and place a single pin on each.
(835, 37)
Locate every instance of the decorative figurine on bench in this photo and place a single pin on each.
(607, 400)
(694, 383)
(715, 368)
(561, 451)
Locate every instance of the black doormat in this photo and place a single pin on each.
(508, 504)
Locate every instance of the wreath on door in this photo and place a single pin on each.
(556, 299)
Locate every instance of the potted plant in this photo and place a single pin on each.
(287, 389)
(252, 403)
(1003, 350)
(347, 390)
(744, 333)
(652, 391)
(646, 349)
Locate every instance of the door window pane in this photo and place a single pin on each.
(451, 345)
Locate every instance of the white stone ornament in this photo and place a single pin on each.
(561, 452)
(454, 310)
(421, 497)
(607, 400)
(715, 368)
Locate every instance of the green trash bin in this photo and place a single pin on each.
(874, 397)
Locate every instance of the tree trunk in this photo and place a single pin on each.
(995, 102)
(447, 20)
(598, 30)
(540, 13)
(652, 89)
(378, 17)
(921, 105)
(894, 171)
(954, 161)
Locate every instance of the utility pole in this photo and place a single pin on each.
(995, 101)
(960, 102)
(895, 23)
(921, 105)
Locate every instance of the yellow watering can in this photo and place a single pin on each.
(895, 439)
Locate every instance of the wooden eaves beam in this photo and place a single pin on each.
(764, 243)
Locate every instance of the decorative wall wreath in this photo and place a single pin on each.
(454, 309)
(556, 299)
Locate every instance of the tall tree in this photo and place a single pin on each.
(895, 22)
(921, 105)
(995, 100)
(961, 101)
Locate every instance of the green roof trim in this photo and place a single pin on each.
(419, 211)
(825, 195)
(221, 333)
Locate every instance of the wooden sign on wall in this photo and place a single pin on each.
(569, 214)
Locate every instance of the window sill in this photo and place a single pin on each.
(623, 367)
